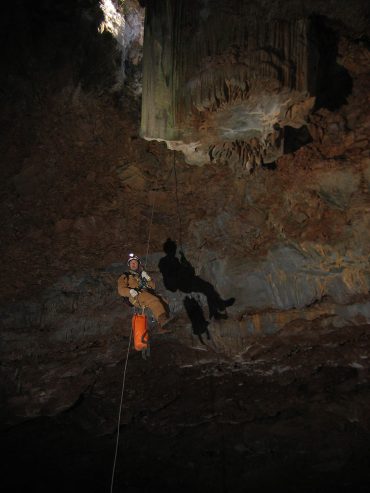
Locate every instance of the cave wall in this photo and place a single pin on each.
(290, 241)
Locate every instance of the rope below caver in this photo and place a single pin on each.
(120, 412)
(128, 349)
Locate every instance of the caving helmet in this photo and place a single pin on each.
(132, 256)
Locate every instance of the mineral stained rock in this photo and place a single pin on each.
(218, 93)
(221, 79)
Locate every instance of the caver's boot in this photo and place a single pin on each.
(220, 311)
(162, 321)
(228, 302)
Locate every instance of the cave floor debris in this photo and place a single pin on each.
(289, 414)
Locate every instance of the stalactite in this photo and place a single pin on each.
(203, 75)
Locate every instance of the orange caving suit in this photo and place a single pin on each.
(131, 280)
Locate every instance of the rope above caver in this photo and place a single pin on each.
(177, 201)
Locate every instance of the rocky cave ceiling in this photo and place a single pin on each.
(226, 81)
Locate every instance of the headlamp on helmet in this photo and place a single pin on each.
(132, 256)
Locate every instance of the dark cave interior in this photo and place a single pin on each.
(265, 185)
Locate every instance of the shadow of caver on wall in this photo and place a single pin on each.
(195, 313)
(179, 274)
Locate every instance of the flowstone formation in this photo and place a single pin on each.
(221, 80)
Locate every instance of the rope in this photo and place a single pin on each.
(223, 455)
(129, 344)
(177, 200)
(153, 205)
(119, 414)
(149, 234)
(151, 219)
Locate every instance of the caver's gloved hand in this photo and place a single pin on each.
(146, 276)
(133, 293)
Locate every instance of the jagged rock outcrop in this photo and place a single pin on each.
(221, 93)
(225, 94)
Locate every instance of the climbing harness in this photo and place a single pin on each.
(140, 325)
